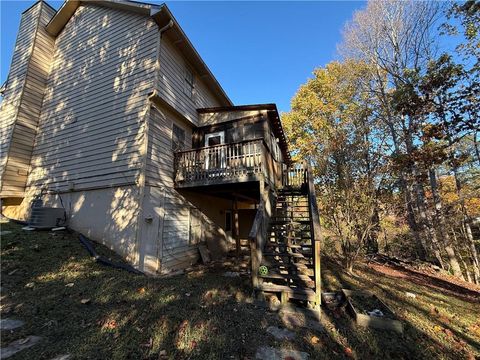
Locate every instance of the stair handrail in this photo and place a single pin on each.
(315, 231)
(258, 235)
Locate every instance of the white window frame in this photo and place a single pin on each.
(208, 136)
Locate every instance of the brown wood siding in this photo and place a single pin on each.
(93, 115)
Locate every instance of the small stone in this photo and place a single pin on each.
(273, 303)
(410, 295)
(85, 301)
(69, 285)
(231, 274)
(63, 357)
(314, 340)
(188, 294)
(280, 333)
(30, 285)
(18, 345)
(270, 353)
(12, 272)
(10, 324)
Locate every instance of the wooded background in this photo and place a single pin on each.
(392, 131)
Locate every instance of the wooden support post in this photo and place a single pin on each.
(255, 263)
(236, 226)
(315, 232)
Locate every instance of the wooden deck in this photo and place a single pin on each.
(242, 161)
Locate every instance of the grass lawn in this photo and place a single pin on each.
(208, 316)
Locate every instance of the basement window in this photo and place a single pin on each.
(178, 138)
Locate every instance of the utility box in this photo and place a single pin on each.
(46, 217)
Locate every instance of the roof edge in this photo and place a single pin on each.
(68, 8)
(162, 17)
(269, 106)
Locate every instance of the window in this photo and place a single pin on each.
(178, 138)
(189, 82)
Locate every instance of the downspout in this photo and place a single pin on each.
(139, 261)
(159, 47)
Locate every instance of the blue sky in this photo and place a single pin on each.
(260, 52)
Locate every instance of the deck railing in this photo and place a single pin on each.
(295, 175)
(220, 162)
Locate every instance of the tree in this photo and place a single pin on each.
(392, 36)
(333, 123)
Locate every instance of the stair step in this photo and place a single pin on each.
(283, 222)
(285, 254)
(294, 292)
(290, 246)
(304, 280)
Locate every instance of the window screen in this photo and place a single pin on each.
(178, 138)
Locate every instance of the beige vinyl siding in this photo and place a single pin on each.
(159, 170)
(172, 83)
(93, 115)
(33, 66)
(16, 80)
(179, 250)
(176, 247)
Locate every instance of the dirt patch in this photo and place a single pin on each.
(450, 284)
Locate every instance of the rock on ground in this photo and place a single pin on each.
(280, 333)
(18, 345)
(63, 357)
(292, 320)
(270, 353)
(10, 324)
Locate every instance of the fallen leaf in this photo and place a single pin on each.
(348, 352)
(142, 290)
(85, 301)
(314, 340)
(69, 284)
(109, 324)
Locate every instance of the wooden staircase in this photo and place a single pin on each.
(291, 249)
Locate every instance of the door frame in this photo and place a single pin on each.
(208, 136)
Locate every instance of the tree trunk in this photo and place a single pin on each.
(372, 239)
(449, 249)
(466, 225)
(475, 143)
(425, 221)
(420, 243)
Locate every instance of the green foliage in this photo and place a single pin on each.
(332, 124)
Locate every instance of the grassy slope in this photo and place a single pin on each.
(202, 314)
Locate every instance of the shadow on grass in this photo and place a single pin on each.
(425, 318)
(199, 315)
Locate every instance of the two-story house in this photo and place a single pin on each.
(110, 113)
